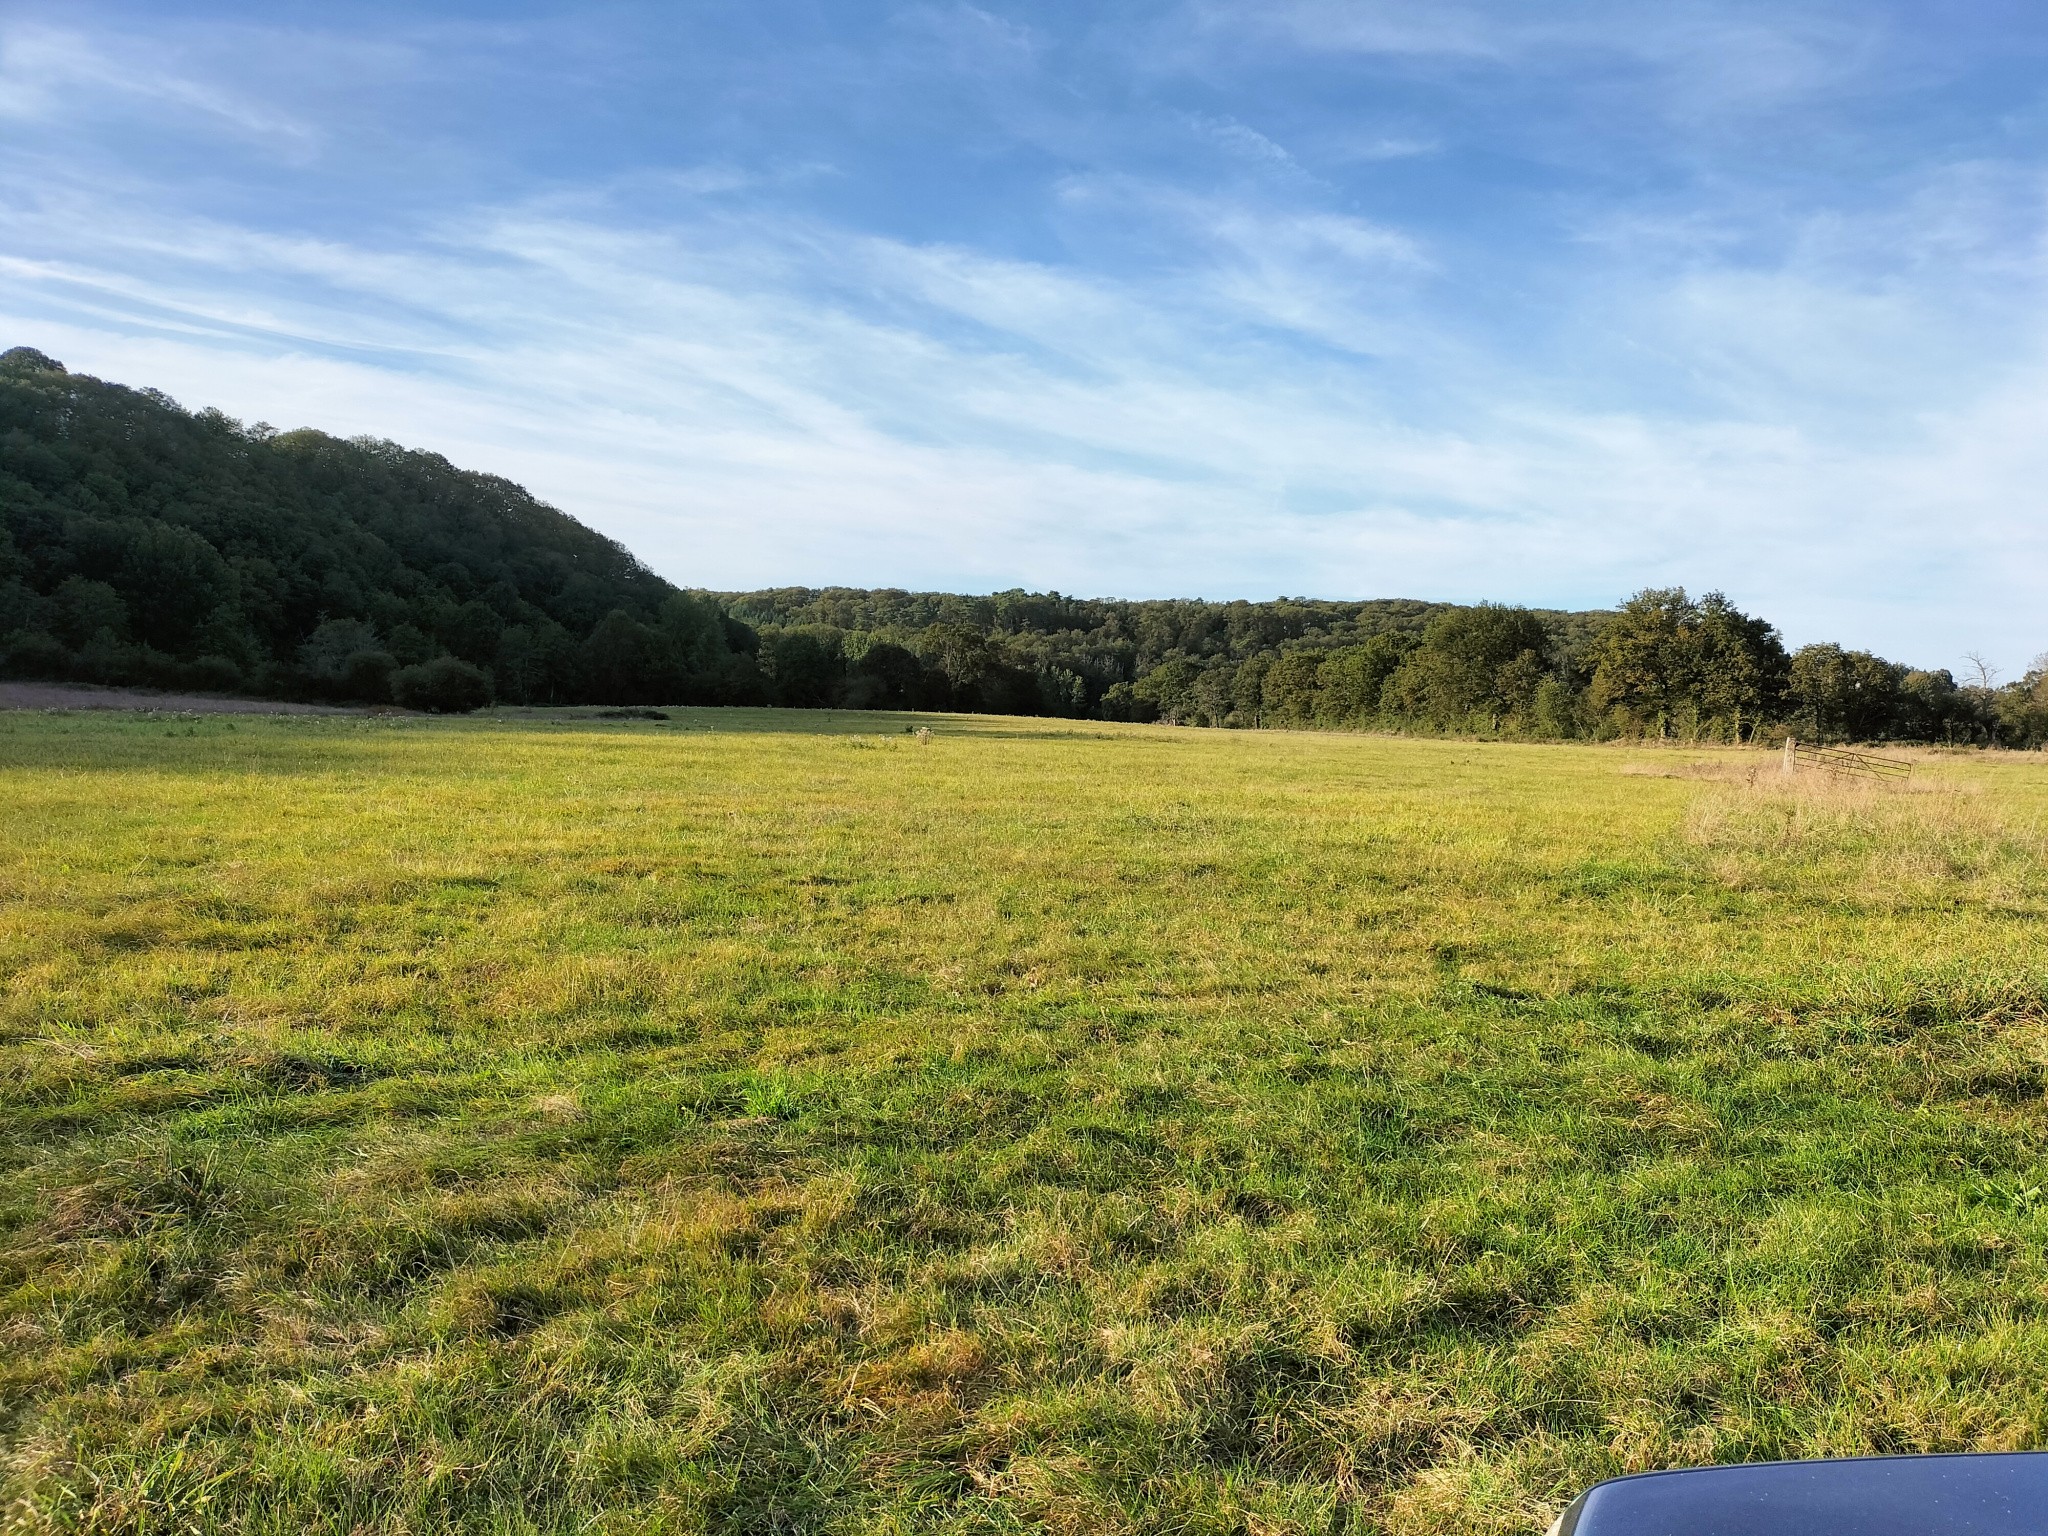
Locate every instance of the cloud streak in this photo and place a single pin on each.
(48, 72)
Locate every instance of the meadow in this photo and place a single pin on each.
(756, 1122)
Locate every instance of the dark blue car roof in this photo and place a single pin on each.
(1999, 1494)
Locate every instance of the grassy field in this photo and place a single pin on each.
(765, 1122)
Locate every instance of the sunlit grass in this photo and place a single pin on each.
(761, 1121)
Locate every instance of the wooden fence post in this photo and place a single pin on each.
(1791, 756)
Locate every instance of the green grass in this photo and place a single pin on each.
(775, 1123)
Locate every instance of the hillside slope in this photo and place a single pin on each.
(143, 543)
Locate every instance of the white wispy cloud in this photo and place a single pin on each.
(47, 71)
(1243, 140)
(1734, 54)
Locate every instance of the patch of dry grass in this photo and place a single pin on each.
(1925, 842)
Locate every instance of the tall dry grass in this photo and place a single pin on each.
(1923, 842)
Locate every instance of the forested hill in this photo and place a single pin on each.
(1177, 659)
(1131, 634)
(1661, 664)
(143, 543)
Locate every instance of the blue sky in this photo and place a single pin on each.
(1531, 302)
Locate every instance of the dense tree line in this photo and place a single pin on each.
(1662, 665)
(142, 543)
